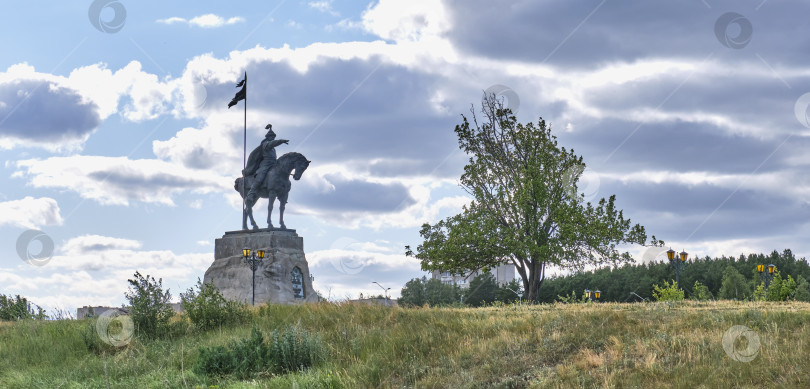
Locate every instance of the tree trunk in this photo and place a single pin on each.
(536, 277)
(522, 272)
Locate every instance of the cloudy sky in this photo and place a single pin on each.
(118, 146)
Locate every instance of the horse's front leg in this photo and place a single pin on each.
(271, 198)
(281, 207)
(244, 218)
(282, 203)
(252, 221)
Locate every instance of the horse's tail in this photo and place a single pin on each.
(238, 185)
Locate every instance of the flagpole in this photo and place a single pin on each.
(244, 144)
(244, 156)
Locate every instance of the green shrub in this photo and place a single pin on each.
(19, 308)
(92, 340)
(802, 289)
(296, 349)
(293, 350)
(151, 310)
(734, 286)
(760, 293)
(669, 292)
(571, 299)
(214, 361)
(778, 289)
(701, 292)
(788, 289)
(206, 308)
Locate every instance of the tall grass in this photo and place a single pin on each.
(647, 345)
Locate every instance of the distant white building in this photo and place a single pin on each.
(503, 274)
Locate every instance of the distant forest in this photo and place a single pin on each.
(618, 284)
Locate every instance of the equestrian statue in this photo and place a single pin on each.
(267, 177)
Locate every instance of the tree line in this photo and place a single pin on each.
(483, 290)
(723, 278)
(701, 279)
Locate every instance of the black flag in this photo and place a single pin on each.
(241, 94)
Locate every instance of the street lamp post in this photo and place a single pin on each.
(767, 276)
(593, 294)
(384, 290)
(520, 297)
(253, 259)
(677, 263)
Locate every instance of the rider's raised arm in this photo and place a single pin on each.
(277, 142)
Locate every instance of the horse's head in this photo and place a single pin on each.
(292, 161)
(300, 165)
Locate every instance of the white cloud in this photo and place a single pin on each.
(348, 268)
(88, 244)
(172, 20)
(100, 277)
(130, 260)
(345, 24)
(324, 6)
(788, 183)
(30, 212)
(402, 21)
(87, 97)
(203, 21)
(119, 180)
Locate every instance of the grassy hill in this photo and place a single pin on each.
(646, 345)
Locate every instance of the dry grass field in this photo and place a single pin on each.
(643, 345)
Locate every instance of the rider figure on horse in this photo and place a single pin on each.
(261, 160)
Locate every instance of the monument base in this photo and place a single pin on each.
(281, 278)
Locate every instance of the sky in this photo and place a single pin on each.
(120, 152)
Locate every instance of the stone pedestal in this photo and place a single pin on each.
(284, 251)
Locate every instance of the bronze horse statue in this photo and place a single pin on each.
(276, 185)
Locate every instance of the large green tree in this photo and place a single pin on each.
(525, 208)
(734, 285)
(414, 294)
(438, 293)
(482, 290)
